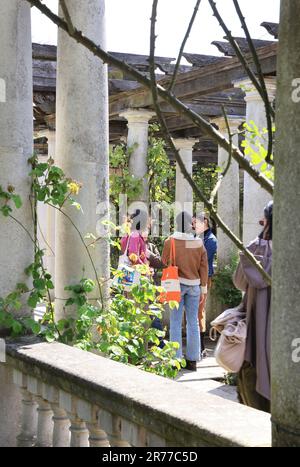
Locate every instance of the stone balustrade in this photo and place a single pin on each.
(76, 398)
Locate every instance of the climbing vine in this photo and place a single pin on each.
(121, 331)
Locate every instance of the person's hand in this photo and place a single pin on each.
(203, 298)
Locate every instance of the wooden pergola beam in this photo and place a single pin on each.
(200, 82)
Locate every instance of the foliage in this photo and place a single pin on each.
(223, 285)
(7, 198)
(161, 174)
(205, 178)
(123, 331)
(121, 181)
(230, 379)
(51, 186)
(255, 144)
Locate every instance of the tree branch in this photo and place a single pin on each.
(170, 88)
(198, 120)
(239, 54)
(185, 173)
(268, 107)
(223, 174)
(67, 16)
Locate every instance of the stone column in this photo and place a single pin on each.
(82, 148)
(138, 124)
(255, 197)
(16, 146)
(184, 192)
(285, 345)
(16, 139)
(229, 192)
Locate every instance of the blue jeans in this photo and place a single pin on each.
(157, 324)
(190, 297)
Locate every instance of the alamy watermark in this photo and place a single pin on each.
(159, 219)
(296, 350)
(2, 90)
(296, 91)
(2, 351)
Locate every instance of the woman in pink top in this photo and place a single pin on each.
(135, 243)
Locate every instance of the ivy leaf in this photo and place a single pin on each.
(33, 300)
(6, 210)
(17, 200)
(17, 327)
(39, 284)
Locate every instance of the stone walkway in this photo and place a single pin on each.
(209, 377)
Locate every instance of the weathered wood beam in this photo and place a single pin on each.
(44, 52)
(203, 81)
(226, 48)
(200, 60)
(211, 109)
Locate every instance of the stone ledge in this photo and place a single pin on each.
(175, 413)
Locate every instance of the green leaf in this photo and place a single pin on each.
(17, 327)
(6, 210)
(33, 299)
(17, 200)
(39, 284)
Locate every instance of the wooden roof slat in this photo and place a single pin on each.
(213, 78)
(228, 51)
(272, 28)
(200, 60)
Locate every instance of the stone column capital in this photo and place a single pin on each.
(251, 94)
(137, 115)
(185, 143)
(234, 122)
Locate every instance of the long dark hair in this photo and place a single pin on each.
(267, 232)
(139, 220)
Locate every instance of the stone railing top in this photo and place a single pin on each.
(177, 413)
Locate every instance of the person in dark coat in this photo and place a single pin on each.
(203, 227)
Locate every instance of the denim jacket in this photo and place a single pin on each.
(211, 244)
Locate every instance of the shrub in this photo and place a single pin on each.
(224, 288)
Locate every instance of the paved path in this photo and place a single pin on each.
(208, 377)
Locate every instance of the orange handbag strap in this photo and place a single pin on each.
(172, 252)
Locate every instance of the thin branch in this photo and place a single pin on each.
(67, 16)
(23, 227)
(268, 107)
(43, 237)
(184, 171)
(239, 54)
(187, 34)
(223, 174)
(86, 248)
(194, 117)
(198, 120)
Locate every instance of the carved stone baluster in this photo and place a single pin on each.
(45, 424)
(61, 427)
(27, 435)
(112, 424)
(79, 433)
(61, 422)
(90, 413)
